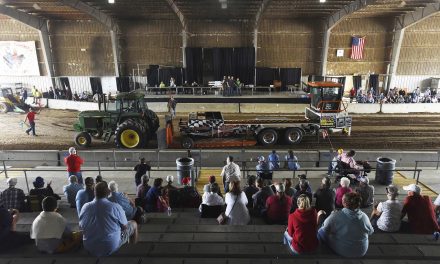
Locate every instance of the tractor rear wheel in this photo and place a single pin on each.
(268, 137)
(83, 139)
(4, 108)
(129, 134)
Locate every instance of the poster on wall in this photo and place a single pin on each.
(18, 58)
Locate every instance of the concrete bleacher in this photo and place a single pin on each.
(184, 237)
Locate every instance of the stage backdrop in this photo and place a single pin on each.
(18, 58)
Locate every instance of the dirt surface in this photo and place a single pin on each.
(372, 131)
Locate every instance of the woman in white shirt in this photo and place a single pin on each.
(387, 215)
(236, 202)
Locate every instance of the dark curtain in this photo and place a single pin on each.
(290, 76)
(266, 76)
(164, 75)
(222, 62)
(194, 64)
(65, 84)
(123, 84)
(374, 83)
(95, 83)
(357, 82)
(152, 75)
(244, 64)
(177, 73)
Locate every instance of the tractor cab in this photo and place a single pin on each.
(326, 105)
(131, 102)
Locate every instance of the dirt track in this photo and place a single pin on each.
(404, 132)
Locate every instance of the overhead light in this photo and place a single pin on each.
(322, 1)
(36, 6)
(111, 1)
(402, 4)
(224, 5)
(83, 49)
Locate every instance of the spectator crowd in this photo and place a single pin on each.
(109, 218)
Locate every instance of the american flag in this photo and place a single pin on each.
(357, 48)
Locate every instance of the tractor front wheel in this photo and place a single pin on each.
(83, 139)
(4, 108)
(129, 135)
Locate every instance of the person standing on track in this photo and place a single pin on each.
(73, 163)
(30, 116)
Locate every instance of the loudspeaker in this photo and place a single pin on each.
(123, 84)
(95, 83)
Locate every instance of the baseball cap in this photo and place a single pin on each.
(11, 181)
(170, 178)
(280, 187)
(261, 158)
(39, 182)
(302, 176)
(186, 180)
(392, 189)
(412, 188)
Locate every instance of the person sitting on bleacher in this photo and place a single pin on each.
(302, 178)
(169, 190)
(303, 189)
(236, 202)
(437, 208)
(154, 199)
(290, 191)
(421, 216)
(40, 192)
(325, 197)
(346, 231)
(9, 237)
(262, 168)
(71, 190)
(85, 195)
(386, 215)
(291, 161)
(212, 180)
(189, 196)
(260, 197)
(366, 191)
(250, 189)
(274, 160)
(341, 191)
(13, 198)
(50, 230)
(278, 206)
(105, 234)
(131, 211)
(211, 197)
(143, 188)
(302, 228)
(350, 162)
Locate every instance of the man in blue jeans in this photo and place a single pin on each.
(31, 117)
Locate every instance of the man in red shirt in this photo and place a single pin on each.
(421, 216)
(74, 162)
(278, 206)
(31, 117)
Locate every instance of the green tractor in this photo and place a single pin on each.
(132, 123)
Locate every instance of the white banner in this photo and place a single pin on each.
(18, 58)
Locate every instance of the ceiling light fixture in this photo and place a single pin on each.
(322, 1)
(224, 3)
(36, 6)
(402, 4)
(111, 1)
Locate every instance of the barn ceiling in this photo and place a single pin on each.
(213, 9)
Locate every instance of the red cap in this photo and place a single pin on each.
(186, 180)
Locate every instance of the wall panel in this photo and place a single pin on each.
(289, 43)
(220, 34)
(419, 53)
(378, 43)
(151, 42)
(81, 47)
